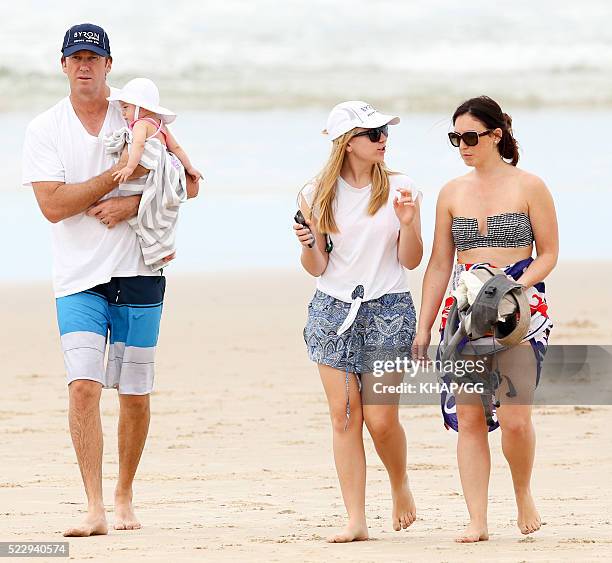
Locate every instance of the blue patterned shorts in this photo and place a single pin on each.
(383, 330)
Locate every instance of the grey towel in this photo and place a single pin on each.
(163, 190)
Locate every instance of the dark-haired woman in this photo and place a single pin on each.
(494, 214)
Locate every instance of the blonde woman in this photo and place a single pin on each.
(362, 228)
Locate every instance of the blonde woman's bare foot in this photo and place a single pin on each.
(528, 519)
(93, 525)
(473, 533)
(125, 519)
(404, 508)
(353, 532)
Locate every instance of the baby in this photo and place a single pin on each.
(147, 122)
(151, 145)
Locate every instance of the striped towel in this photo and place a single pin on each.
(163, 189)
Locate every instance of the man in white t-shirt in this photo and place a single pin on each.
(102, 287)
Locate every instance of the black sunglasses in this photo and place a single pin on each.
(470, 138)
(374, 134)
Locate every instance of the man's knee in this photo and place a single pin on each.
(84, 394)
(136, 405)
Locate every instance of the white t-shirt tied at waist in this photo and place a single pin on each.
(363, 264)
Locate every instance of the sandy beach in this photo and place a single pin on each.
(238, 463)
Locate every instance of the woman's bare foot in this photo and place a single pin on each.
(473, 533)
(528, 519)
(404, 508)
(353, 532)
(125, 519)
(93, 525)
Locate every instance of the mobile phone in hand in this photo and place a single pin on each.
(299, 218)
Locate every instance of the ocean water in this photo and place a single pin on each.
(252, 83)
(409, 55)
(254, 164)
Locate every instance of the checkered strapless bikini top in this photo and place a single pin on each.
(506, 230)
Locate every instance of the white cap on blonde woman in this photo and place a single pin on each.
(348, 115)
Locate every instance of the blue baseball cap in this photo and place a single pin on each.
(86, 37)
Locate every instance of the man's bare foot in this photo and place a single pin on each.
(404, 508)
(125, 519)
(528, 519)
(93, 525)
(473, 533)
(353, 532)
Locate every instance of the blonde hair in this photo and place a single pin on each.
(325, 186)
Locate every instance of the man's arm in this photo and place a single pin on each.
(58, 200)
(193, 186)
(114, 210)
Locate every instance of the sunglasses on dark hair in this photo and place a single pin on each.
(470, 138)
(374, 134)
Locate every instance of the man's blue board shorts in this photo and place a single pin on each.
(126, 311)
